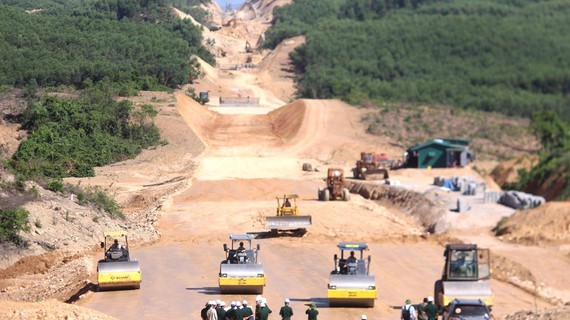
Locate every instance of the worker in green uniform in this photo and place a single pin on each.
(247, 311)
(239, 311)
(312, 312)
(220, 310)
(264, 311)
(231, 313)
(286, 312)
(430, 309)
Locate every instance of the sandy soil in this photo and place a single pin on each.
(222, 169)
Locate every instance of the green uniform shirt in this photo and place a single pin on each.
(431, 311)
(231, 314)
(246, 312)
(312, 314)
(221, 313)
(264, 313)
(286, 312)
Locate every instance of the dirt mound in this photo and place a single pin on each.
(429, 214)
(547, 314)
(196, 116)
(548, 224)
(288, 120)
(507, 172)
(50, 309)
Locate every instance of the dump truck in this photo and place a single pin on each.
(240, 271)
(466, 275)
(335, 186)
(287, 217)
(371, 166)
(117, 270)
(350, 282)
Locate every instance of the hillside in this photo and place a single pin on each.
(490, 55)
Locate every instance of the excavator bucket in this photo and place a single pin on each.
(470, 290)
(115, 275)
(241, 278)
(352, 290)
(290, 222)
(375, 174)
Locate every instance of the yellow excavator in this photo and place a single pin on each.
(287, 217)
(466, 275)
(116, 270)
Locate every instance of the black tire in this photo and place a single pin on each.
(438, 294)
(320, 195)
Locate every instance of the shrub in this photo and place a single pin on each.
(11, 223)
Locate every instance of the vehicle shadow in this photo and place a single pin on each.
(86, 288)
(206, 290)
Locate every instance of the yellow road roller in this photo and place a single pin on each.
(116, 270)
(240, 271)
(350, 283)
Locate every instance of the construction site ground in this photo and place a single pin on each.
(220, 174)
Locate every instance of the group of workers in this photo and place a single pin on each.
(427, 310)
(217, 310)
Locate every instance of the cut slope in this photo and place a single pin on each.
(198, 117)
(547, 224)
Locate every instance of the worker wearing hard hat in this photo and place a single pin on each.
(286, 311)
(312, 312)
(264, 311)
(246, 312)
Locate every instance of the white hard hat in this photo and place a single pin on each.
(364, 317)
(430, 299)
(223, 303)
(218, 302)
(233, 303)
(262, 304)
(238, 303)
(212, 303)
(287, 300)
(258, 298)
(244, 302)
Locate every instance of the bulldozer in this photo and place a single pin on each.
(116, 270)
(371, 166)
(287, 217)
(240, 271)
(466, 275)
(350, 283)
(335, 186)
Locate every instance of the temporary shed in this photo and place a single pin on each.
(440, 153)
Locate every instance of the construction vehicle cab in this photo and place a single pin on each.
(116, 270)
(371, 166)
(350, 283)
(335, 186)
(287, 217)
(466, 275)
(240, 271)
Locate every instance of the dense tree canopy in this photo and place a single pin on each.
(126, 41)
(496, 55)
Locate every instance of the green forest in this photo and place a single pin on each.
(508, 56)
(134, 42)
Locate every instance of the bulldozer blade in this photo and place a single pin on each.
(375, 174)
(116, 275)
(288, 222)
(472, 290)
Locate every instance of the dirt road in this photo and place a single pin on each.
(247, 163)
